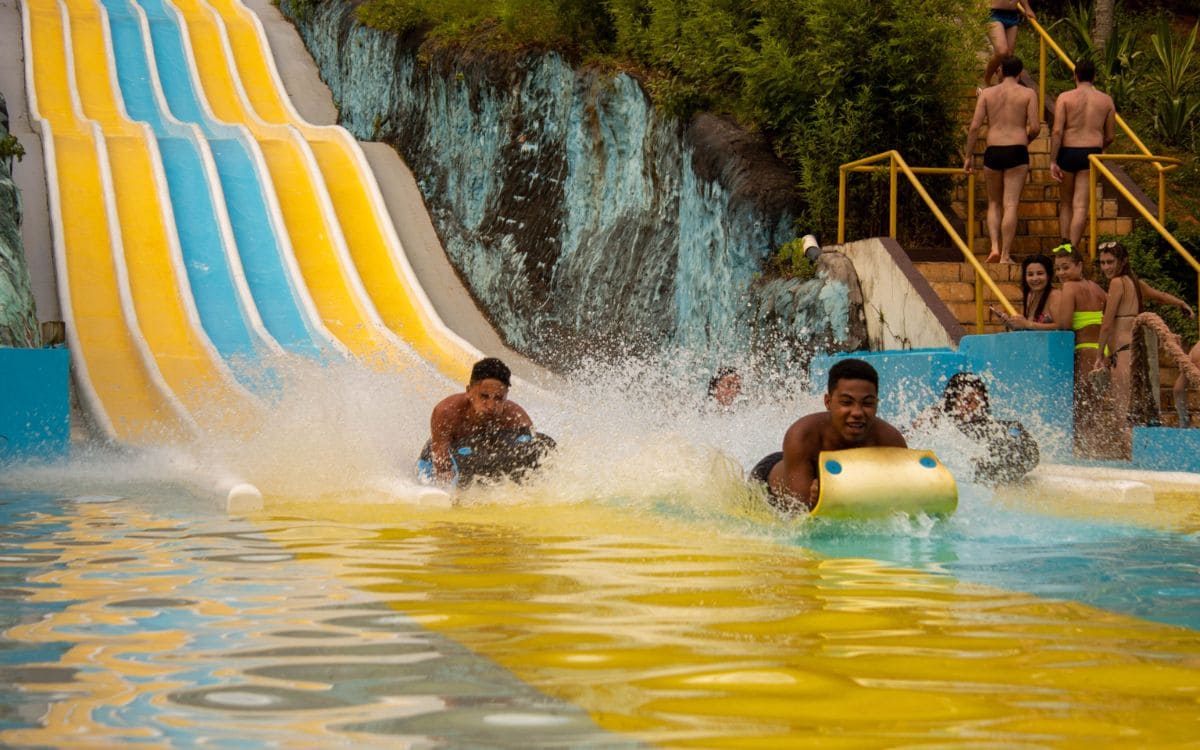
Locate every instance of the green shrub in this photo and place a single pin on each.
(826, 81)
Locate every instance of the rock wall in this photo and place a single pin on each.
(18, 318)
(578, 215)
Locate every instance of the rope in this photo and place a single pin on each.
(1143, 401)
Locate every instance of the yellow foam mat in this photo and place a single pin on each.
(874, 482)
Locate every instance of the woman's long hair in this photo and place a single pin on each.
(1118, 251)
(1048, 265)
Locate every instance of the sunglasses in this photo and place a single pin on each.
(1107, 245)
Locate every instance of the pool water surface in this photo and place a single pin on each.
(131, 621)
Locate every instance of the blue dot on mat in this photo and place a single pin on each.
(833, 467)
(928, 462)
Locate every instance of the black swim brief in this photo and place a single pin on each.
(762, 470)
(1075, 158)
(1001, 158)
(1008, 18)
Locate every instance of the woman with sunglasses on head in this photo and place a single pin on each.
(1126, 300)
(1039, 295)
(1081, 309)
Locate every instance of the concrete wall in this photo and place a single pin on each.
(902, 310)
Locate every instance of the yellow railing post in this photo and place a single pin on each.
(892, 197)
(971, 212)
(842, 205)
(898, 166)
(1041, 78)
(1093, 211)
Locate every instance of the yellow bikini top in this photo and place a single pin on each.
(1085, 319)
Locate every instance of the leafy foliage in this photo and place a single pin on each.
(1177, 80)
(826, 81)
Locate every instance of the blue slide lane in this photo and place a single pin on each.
(258, 245)
(196, 221)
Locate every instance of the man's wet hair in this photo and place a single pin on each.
(959, 384)
(1012, 66)
(491, 368)
(852, 369)
(1085, 71)
(722, 373)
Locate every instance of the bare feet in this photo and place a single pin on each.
(1006, 259)
(993, 257)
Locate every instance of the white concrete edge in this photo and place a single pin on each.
(395, 249)
(1164, 481)
(192, 133)
(241, 133)
(359, 296)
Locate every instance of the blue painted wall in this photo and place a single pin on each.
(35, 417)
(1030, 378)
(1166, 449)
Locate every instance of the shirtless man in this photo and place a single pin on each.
(848, 422)
(1084, 120)
(483, 410)
(1003, 18)
(1010, 112)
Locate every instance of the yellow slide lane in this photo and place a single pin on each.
(314, 240)
(188, 363)
(104, 346)
(371, 245)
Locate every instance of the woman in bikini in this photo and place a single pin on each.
(1081, 309)
(1126, 300)
(1041, 298)
(1003, 18)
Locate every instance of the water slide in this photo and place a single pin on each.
(199, 229)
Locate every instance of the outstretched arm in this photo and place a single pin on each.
(801, 446)
(973, 133)
(441, 428)
(1162, 298)
(1056, 136)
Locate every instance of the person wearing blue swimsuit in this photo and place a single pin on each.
(1003, 19)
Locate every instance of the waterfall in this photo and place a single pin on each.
(579, 215)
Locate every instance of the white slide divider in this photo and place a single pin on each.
(241, 134)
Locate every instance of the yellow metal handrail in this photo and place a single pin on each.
(1098, 168)
(897, 165)
(1048, 41)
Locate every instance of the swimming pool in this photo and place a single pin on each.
(517, 621)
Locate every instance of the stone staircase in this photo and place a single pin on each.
(1037, 229)
(954, 284)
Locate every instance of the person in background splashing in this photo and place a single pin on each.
(725, 387)
(1009, 452)
(848, 422)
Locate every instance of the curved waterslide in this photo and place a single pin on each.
(242, 203)
(144, 368)
(228, 312)
(333, 213)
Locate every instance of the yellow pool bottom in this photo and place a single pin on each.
(676, 636)
(663, 631)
